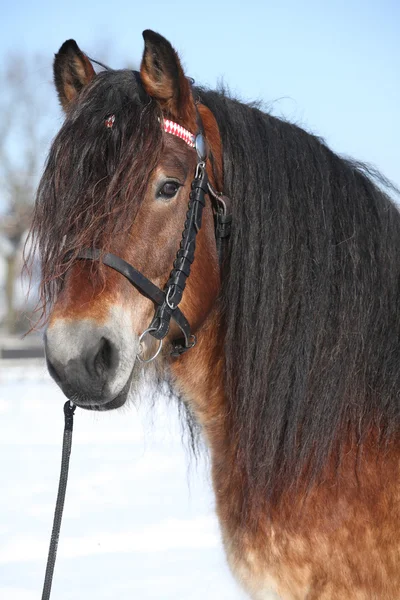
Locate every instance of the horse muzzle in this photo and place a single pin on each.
(92, 363)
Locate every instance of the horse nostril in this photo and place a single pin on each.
(106, 357)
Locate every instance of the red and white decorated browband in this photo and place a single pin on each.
(179, 131)
(169, 127)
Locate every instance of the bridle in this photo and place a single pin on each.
(167, 300)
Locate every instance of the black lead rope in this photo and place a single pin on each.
(69, 410)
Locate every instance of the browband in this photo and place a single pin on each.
(179, 131)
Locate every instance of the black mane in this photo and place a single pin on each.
(310, 298)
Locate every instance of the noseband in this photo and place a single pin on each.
(167, 300)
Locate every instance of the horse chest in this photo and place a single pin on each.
(263, 571)
(339, 550)
(314, 569)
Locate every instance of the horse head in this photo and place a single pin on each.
(118, 179)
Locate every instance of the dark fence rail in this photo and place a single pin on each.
(12, 348)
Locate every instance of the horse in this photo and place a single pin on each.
(275, 316)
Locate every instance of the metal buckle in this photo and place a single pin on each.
(171, 305)
(148, 360)
(199, 169)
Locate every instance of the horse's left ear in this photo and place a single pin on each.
(72, 71)
(163, 78)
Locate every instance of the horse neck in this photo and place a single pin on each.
(198, 377)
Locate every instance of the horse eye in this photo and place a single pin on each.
(169, 189)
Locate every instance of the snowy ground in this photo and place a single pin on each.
(139, 520)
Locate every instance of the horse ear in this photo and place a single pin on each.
(72, 71)
(163, 78)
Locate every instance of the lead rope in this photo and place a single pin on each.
(69, 409)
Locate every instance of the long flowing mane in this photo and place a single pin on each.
(310, 298)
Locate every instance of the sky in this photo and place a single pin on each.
(331, 67)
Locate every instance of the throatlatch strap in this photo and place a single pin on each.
(69, 410)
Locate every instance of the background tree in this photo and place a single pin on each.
(29, 117)
(27, 106)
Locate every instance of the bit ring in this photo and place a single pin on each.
(148, 360)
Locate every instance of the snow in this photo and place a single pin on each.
(139, 518)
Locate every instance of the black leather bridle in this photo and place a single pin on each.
(167, 300)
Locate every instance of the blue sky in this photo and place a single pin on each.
(333, 68)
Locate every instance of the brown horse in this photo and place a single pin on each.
(294, 379)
